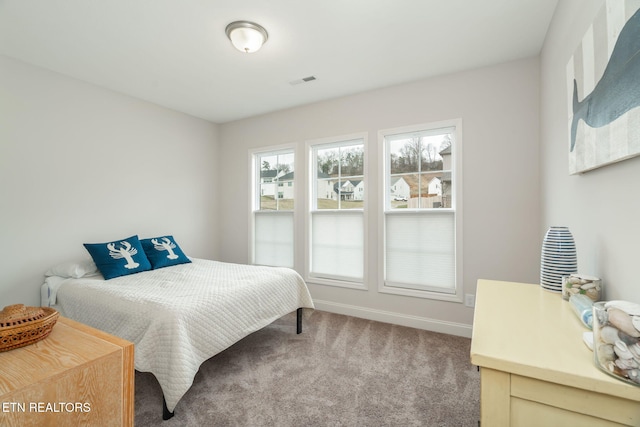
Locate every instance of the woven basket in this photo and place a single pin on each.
(21, 326)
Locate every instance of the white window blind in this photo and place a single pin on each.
(337, 249)
(420, 251)
(273, 239)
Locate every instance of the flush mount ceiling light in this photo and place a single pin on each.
(246, 36)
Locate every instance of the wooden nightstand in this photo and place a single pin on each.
(76, 376)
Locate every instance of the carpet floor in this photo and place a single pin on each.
(341, 371)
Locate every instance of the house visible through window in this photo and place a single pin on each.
(417, 237)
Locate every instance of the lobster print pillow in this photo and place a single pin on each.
(163, 252)
(119, 258)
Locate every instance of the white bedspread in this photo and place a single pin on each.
(180, 316)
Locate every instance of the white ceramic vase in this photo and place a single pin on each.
(558, 258)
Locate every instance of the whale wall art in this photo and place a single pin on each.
(603, 87)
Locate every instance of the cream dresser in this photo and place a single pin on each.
(535, 370)
(77, 376)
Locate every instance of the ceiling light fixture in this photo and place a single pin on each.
(246, 36)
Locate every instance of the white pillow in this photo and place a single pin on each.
(74, 269)
(49, 290)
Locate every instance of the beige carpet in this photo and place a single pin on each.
(341, 371)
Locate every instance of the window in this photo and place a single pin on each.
(273, 203)
(421, 221)
(336, 236)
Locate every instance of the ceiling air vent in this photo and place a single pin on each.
(302, 80)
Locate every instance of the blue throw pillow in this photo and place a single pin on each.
(119, 258)
(163, 252)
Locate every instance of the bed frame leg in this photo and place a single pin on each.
(165, 411)
(299, 321)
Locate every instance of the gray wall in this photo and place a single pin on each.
(499, 109)
(83, 164)
(600, 207)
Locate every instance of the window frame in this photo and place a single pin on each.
(456, 295)
(311, 210)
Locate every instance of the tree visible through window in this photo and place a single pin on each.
(340, 176)
(420, 171)
(276, 173)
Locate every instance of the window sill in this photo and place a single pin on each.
(417, 293)
(336, 283)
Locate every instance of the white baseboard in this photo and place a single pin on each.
(451, 328)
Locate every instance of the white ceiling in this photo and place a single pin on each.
(175, 52)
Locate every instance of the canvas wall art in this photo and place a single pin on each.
(603, 82)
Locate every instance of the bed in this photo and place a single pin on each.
(178, 316)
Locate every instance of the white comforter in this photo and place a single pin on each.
(180, 316)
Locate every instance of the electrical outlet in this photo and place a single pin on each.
(470, 300)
